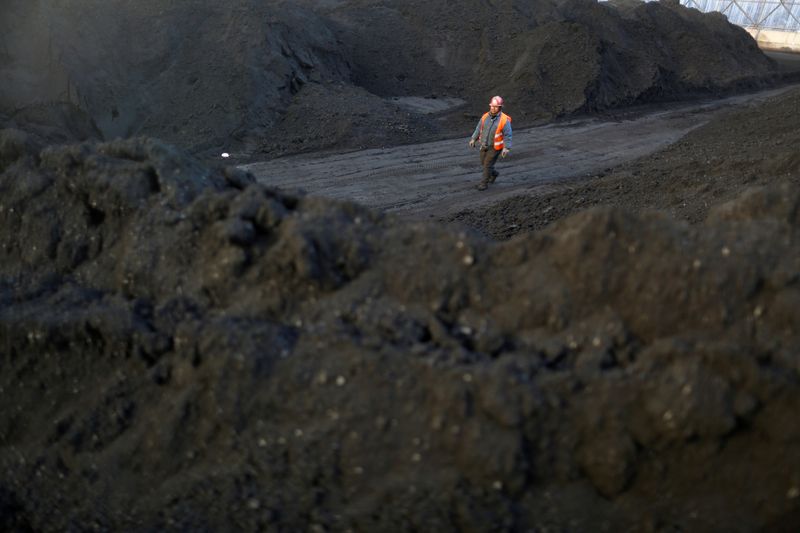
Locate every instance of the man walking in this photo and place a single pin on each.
(493, 136)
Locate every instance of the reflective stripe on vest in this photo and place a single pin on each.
(498, 133)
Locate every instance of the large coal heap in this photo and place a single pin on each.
(186, 349)
(279, 77)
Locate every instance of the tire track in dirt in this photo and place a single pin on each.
(438, 178)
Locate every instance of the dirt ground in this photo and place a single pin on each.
(187, 349)
(743, 146)
(437, 179)
(605, 340)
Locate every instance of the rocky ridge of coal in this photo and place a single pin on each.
(186, 349)
(244, 78)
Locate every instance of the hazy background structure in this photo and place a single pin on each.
(773, 23)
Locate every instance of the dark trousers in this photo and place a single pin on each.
(488, 159)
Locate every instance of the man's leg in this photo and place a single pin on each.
(483, 183)
(488, 159)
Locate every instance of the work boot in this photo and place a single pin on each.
(494, 176)
(482, 186)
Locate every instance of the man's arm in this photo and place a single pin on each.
(507, 135)
(477, 131)
(475, 134)
(506, 138)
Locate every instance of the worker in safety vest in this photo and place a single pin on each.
(493, 137)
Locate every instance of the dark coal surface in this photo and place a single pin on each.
(184, 349)
(52, 123)
(262, 79)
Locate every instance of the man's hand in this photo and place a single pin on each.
(504, 152)
(472, 143)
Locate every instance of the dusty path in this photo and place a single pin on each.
(438, 178)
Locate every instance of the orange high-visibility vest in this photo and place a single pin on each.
(498, 133)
